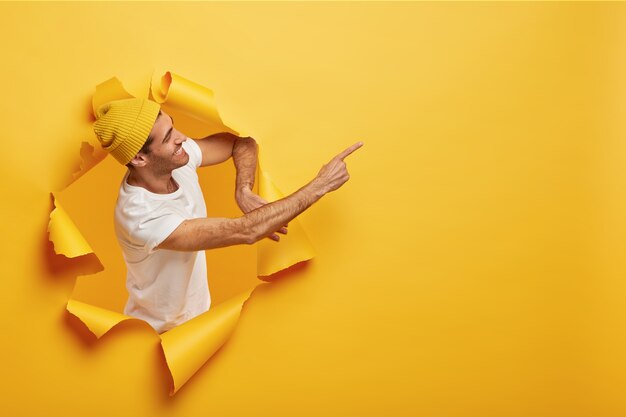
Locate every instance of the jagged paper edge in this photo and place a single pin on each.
(106, 319)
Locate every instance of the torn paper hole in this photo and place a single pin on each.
(188, 346)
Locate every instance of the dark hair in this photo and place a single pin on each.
(146, 146)
(144, 149)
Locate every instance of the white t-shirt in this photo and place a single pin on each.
(165, 287)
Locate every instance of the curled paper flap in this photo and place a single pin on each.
(98, 320)
(64, 234)
(189, 99)
(294, 247)
(188, 346)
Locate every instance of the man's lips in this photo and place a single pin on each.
(179, 151)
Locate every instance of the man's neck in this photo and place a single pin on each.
(158, 184)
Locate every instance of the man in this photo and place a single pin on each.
(160, 217)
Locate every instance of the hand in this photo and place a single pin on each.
(334, 174)
(248, 201)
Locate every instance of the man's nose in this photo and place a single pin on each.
(180, 139)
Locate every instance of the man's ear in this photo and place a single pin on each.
(139, 160)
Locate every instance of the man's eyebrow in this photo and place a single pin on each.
(169, 132)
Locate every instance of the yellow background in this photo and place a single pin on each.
(472, 265)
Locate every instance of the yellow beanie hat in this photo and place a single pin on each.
(123, 126)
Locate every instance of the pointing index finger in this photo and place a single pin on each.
(348, 151)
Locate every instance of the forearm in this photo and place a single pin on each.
(210, 233)
(205, 233)
(267, 219)
(245, 154)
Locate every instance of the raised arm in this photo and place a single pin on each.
(245, 154)
(209, 233)
(220, 147)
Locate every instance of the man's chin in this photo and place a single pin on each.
(185, 159)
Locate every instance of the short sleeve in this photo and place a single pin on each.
(143, 220)
(195, 153)
(155, 229)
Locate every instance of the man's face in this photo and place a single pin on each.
(166, 151)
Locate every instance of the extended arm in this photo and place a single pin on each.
(209, 233)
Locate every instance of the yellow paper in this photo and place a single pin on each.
(294, 247)
(190, 104)
(98, 320)
(111, 89)
(188, 97)
(64, 234)
(472, 265)
(188, 346)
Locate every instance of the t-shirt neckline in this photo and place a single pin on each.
(167, 196)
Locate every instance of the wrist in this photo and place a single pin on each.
(242, 191)
(317, 188)
(244, 188)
